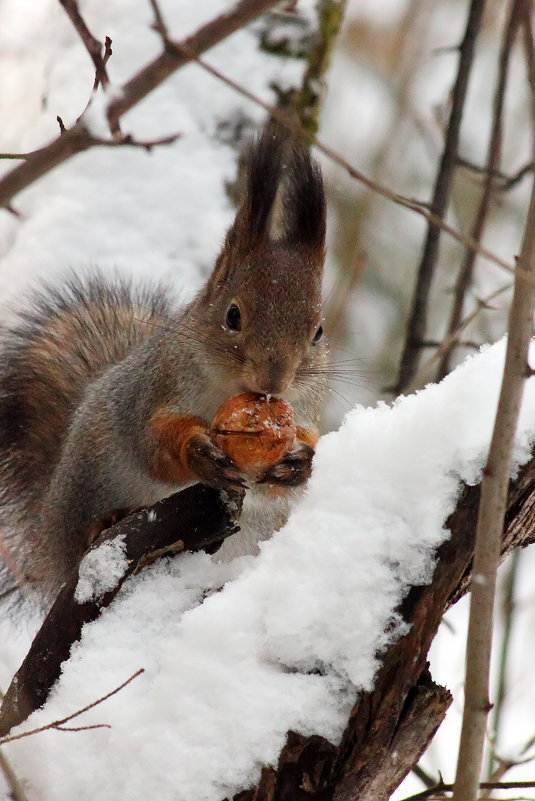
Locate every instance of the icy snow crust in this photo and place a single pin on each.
(226, 677)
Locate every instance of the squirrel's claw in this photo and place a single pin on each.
(292, 470)
(213, 467)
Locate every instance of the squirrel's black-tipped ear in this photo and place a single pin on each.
(284, 199)
(264, 177)
(304, 199)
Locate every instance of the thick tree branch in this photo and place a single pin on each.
(390, 726)
(191, 520)
(365, 764)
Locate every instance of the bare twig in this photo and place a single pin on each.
(418, 315)
(424, 777)
(441, 789)
(494, 488)
(129, 141)
(502, 182)
(17, 156)
(159, 23)
(72, 141)
(77, 139)
(424, 370)
(529, 49)
(92, 45)
(153, 75)
(464, 278)
(59, 725)
(408, 203)
(176, 56)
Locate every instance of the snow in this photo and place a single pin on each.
(237, 654)
(100, 570)
(234, 654)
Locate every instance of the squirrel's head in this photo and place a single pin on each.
(264, 295)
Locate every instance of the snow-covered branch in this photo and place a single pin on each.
(195, 519)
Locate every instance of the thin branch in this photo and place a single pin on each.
(455, 337)
(424, 777)
(176, 56)
(418, 315)
(77, 139)
(17, 156)
(72, 141)
(466, 271)
(152, 75)
(440, 789)
(128, 141)
(408, 203)
(59, 725)
(502, 182)
(159, 23)
(92, 45)
(494, 489)
(116, 133)
(529, 50)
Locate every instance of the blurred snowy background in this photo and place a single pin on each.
(165, 212)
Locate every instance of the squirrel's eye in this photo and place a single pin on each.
(233, 318)
(318, 335)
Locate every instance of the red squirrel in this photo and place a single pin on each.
(107, 391)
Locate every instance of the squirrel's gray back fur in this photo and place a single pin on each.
(62, 341)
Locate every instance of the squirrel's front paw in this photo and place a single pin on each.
(211, 466)
(292, 470)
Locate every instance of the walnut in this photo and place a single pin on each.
(255, 431)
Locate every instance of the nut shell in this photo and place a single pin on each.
(255, 431)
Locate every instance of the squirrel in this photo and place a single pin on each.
(107, 391)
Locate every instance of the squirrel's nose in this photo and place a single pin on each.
(273, 376)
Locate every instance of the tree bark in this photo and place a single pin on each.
(390, 726)
(195, 519)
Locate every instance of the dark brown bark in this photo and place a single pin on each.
(192, 520)
(390, 726)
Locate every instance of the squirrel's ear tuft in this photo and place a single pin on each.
(285, 200)
(264, 177)
(304, 199)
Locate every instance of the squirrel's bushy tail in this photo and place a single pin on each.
(60, 342)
